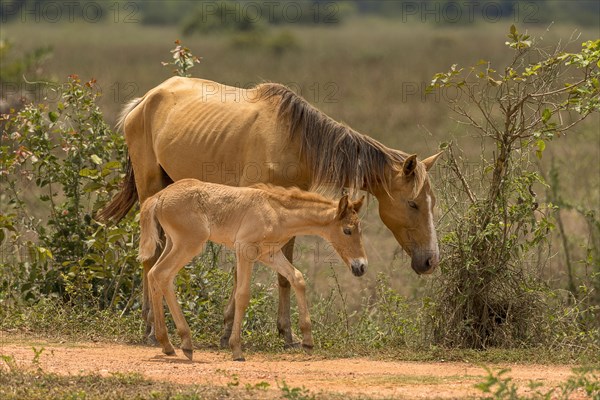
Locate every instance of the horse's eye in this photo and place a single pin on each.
(347, 231)
(412, 204)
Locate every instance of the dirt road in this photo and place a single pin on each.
(352, 376)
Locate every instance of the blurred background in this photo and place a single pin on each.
(365, 63)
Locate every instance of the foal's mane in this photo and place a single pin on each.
(337, 155)
(292, 193)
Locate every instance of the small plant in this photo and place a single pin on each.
(183, 60)
(262, 385)
(9, 361)
(498, 386)
(295, 393)
(36, 355)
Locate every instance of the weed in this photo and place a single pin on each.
(294, 393)
(499, 386)
(36, 355)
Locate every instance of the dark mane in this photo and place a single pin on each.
(337, 155)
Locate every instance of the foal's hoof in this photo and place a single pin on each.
(169, 352)
(151, 340)
(239, 359)
(188, 353)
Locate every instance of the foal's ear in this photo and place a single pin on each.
(358, 204)
(342, 207)
(409, 165)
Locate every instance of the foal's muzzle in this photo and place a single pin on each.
(359, 266)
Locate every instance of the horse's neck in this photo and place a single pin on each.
(305, 217)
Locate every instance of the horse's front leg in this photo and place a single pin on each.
(284, 324)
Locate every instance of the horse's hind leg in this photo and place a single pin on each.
(284, 324)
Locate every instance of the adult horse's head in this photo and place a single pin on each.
(406, 208)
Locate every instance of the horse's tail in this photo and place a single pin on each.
(122, 202)
(125, 112)
(149, 229)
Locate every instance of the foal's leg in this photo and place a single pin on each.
(156, 310)
(284, 325)
(229, 314)
(242, 298)
(280, 263)
(147, 315)
(161, 278)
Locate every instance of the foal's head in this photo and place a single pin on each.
(344, 234)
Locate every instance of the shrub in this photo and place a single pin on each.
(491, 292)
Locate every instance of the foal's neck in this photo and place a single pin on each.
(306, 217)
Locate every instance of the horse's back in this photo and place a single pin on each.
(213, 132)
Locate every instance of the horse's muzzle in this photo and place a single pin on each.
(424, 263)
(359, 266)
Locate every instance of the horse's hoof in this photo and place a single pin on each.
(308, 348)
(293, 345)
(170, 352)
(239, 359)
(188, 353)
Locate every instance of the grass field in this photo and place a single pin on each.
(368, 73)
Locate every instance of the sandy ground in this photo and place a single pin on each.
(351, 376)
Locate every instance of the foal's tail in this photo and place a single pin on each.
(149, 227)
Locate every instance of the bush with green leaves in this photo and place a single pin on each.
(59, 164)
(491, 292)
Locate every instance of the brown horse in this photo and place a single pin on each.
(257, 222)
(194, 128)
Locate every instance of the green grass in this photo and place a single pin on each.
(20, 384)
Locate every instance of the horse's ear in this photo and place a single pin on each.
(429, 161)
(358, 204)
(409, 165)
(342, 207)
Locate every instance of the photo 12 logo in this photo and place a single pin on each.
(69, 11)
(455, 12)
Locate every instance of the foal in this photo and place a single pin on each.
(254, 221)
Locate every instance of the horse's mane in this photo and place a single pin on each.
(337, 155)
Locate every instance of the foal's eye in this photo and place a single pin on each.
(412, 204)
(347, 231)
